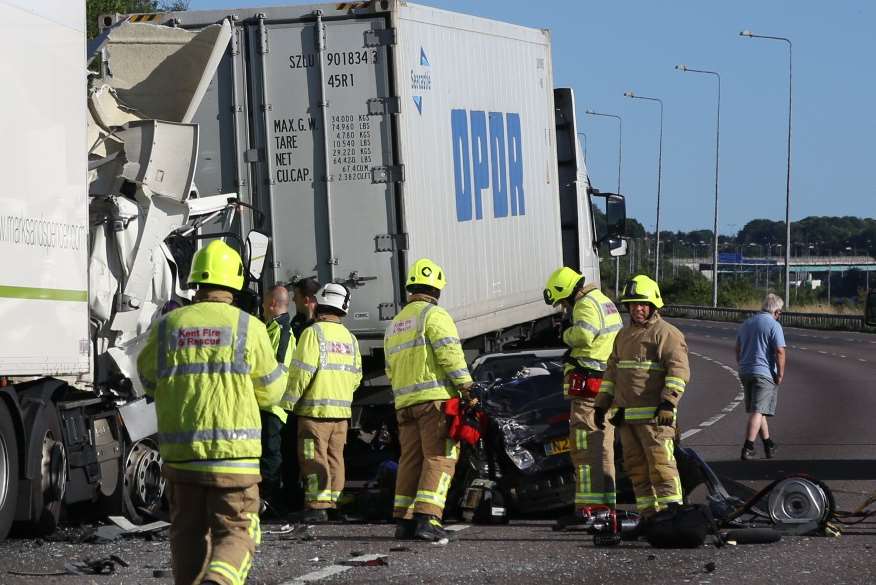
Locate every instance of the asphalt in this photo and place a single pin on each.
(823, 427)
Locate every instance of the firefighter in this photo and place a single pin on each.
(595, 324)
(325, 372)
(426, 367)
(279, 327)
(210, 367)
(646, 376)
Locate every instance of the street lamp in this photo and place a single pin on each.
(631, 95)
(620, 150)
(749, 34)
(685, 68)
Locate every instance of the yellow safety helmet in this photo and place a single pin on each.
(219, 264)
(561, 285)
(427, 273)
(641, 289)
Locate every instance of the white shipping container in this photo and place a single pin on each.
(43, 213)
(374, 133)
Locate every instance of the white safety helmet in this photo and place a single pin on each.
(334, 295)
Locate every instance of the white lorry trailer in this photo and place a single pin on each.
(358, 135)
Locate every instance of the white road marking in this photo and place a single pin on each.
(737, 400)
(861, 360)
(822, 352)
(329, 571)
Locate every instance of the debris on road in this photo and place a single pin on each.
(710, 567)
(101, 566)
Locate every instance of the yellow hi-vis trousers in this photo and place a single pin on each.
(427, 462)
(650, 462)
(213, 532)
(321, 457)
(592, 453)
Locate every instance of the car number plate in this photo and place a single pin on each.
(556, 446)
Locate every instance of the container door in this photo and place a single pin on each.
(326, 162)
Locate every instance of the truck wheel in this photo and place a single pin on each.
(143, 482)
(49, 459)
(8, 470)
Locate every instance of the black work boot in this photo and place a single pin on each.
(748, 451)
(429, 528)
(405, 529)
(310, 516)
(769, 448)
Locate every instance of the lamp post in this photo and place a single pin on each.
(685, 68)
(749, 34)
(620, 151)
(631, 95)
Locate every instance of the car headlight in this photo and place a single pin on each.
(521, 457)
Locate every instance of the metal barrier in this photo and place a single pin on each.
(789, 319)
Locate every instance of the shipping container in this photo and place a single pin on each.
(374, 133)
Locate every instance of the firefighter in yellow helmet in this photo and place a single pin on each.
(595, 322)
(646, 377)
(210, 367)
(326, 369)
(426, 367)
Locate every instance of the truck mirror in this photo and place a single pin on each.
(617, 247)
(257, 249)
(615, 215)
(870, 309)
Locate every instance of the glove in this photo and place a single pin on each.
(599, 417)
(618, 418)
(665, 414)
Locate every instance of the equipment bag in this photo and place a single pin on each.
(463, 421)
(680, 526)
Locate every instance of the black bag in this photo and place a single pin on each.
(678, 526)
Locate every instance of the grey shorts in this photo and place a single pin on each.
(761, 394)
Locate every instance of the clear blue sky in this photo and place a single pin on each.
(602, 49)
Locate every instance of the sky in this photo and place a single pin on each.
(602, 49)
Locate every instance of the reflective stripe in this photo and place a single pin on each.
(674, 382)
(444, 341)
(592, 364)
(302, 366)
(226, 570)
(186, 437)
(587, 326)
(242, 333)
(439, 496)
(423, 386)
(669, 499)
(407, 345)
(460, 373)
(239, 464)
(609, 498)
(313, 493)
(606, 387)
(598, 308)
(254, 530)
(342, 368)
(324, 402)
(194, 369)
(581, 439)
(637, 365)
(278, 373)
(583, 484)
(162, 346)
(451, 449)
(309, 448)
(403, 502)
(335, 496)
(646, 503)
(640, 413)
(611, 328)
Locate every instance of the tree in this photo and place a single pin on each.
(95, 8)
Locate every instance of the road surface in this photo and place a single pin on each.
(824, 427)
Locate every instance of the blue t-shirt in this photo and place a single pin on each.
(759, 337)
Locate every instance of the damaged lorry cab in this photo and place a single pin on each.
(357, 136)
(99, 219)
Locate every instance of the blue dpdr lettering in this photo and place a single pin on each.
(487, 152)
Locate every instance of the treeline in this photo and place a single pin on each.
(95, 8)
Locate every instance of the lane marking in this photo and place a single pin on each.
(731, 406)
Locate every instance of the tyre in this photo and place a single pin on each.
(8, 470)
(48, 461)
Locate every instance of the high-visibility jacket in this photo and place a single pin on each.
(210, 366)
(424, 359)
(283, 342)
(648, 365)
(325, 372)
(595, 323)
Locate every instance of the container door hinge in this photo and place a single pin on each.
(263, 34)
(390, 174)
(383, 106)
(381, 37)
(386, 311)
(390, 242)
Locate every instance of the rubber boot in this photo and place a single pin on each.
(429, 528)
(405, 529)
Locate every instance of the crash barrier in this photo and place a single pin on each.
(789, 319)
